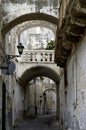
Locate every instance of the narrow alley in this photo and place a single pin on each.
(40, 123)
(42, 64)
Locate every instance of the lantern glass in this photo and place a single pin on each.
(20, 48)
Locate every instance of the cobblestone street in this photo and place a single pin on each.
(40, 123)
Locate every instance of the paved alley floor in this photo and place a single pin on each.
(40, 123)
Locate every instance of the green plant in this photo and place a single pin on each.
(50, 45)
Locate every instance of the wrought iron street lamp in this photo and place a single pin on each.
(8, 66)
(20, 48)
(20, 51)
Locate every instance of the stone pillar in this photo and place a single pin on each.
(33, 56)
(43, 57)
(48, 57)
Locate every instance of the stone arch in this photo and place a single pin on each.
(43, 24)
(45, 71)
(33, 72)
(28, 17)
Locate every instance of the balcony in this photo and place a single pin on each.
(37, 56)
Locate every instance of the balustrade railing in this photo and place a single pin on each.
(38, 56)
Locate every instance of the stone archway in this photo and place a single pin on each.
(35, 23)
(7, 25)
(54, 103)
(33, 72)
(28, 17)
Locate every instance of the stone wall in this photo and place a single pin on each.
(73, 91)
(19, 103)
(71, 28)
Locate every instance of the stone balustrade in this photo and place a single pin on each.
(46, 56)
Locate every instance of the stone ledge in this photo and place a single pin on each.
(71, 31)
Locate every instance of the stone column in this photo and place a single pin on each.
(33, 56)
(43, 57)
(48, 57)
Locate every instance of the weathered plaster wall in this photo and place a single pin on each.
(13, 10)
(19, 103)
(81, 84)
(72, 94)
